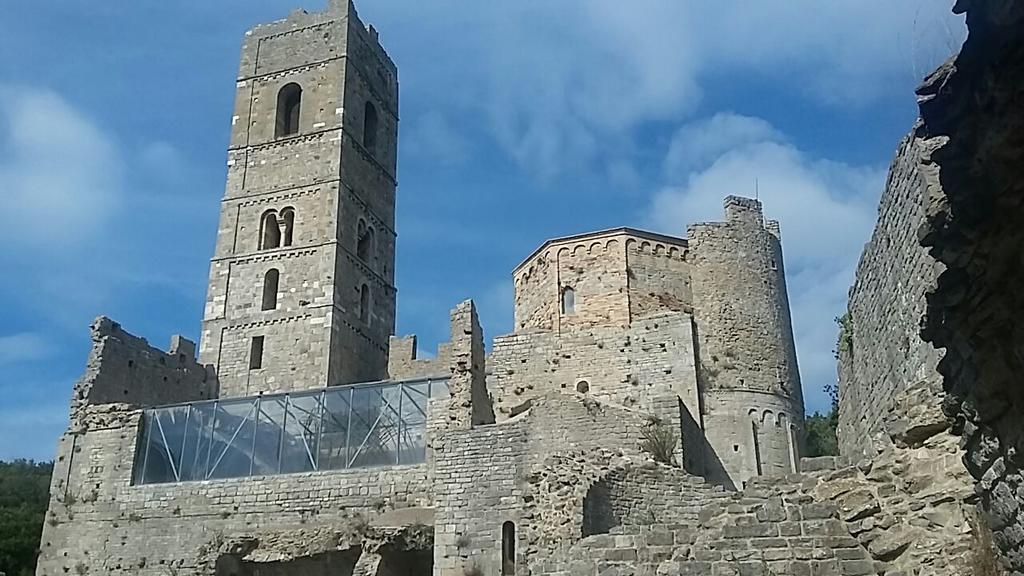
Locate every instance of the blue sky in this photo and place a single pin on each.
(520, 121)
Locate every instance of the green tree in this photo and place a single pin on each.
(24, 494)
(821, 428)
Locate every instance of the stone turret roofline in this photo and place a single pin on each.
(610, 232)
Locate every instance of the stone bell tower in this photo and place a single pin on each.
(301, 291)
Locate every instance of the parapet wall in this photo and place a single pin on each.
(881, 354)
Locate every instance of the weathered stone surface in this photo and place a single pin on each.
(975, 209)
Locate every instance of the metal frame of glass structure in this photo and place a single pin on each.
(362, 425)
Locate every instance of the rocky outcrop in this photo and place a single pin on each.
(972, 112)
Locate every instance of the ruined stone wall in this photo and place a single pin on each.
(526, 471)
(98, 523)
(624, 366)
(907, 513)
(403, 363)
(125, 369)
(746, 354)
(971, 112)
(881, 354)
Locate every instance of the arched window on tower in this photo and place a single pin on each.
(370, 127)
(271, 283)
(289, 107)
(270, 231)
(364, 304)
(568, 301)
(508, 549)
(288, 220)
(364, 247)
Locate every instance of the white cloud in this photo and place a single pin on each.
(703, 141)
(826, 210)
(23, 347)
(60, 174)
(562, 82)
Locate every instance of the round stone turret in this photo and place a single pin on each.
(747, 370)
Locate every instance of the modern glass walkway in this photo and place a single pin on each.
(375, 424)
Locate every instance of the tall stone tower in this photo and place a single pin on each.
(301, 291)
(753, 404)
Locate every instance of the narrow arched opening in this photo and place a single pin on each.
(757, 449)
(364, 247)
(508, 549)
(364, 304)
(271, 282)
(289, 107)
(270, 231)
(568, 301)
(288, 221)
(370, 127)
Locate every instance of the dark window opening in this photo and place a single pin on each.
(364, 304)
(583, 387)
(370, 127)
(270, 231)
(508, 549)
(289, 105)
(288, 218)
(568, 301)
(757, 449)
(270, 289)
(364, 245)
(256, 353)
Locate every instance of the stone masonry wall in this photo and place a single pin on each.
(746, 354)
(98, 523)
(617, 276)
(334, 184)
(881, 354)
(526, 471)
(125, 369)
(625, 366)
(906, 513)
(971, 111)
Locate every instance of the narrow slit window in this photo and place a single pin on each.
(364, 304)
(289, 107)
(256, 353)
(568, 301)
(508, 549)
(271, 284)
(757, 449)
(370, 127)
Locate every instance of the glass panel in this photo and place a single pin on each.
(333, 447)
(333, 429)
(414, 423)
(266, 457)
(231, 444)
(374, 433)
(302, 430)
